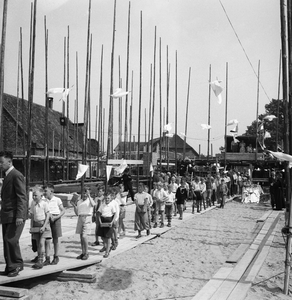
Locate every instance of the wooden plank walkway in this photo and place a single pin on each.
(239, 277)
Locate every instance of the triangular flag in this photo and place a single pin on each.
(167, 127)
(56, 91)
(108, 172)
(121, 168)
(267, 135)
(235, 129)
(182, 134)
(232, 122)
(206, 126)
(119, 93)
(269, 117)
(81, 170)
(217, 89)
(281, 156)
(169, 135)
(151, 169)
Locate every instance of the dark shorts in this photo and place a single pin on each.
(56, 228)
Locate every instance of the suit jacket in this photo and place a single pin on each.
(14, 199)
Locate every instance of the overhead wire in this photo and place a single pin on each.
(254, 71)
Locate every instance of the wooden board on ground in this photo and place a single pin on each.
(13, 292)
(26, 297)
(65, 263)
(265, 216)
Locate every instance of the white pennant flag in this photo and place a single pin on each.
(182, 134)
(119, 93)
(267, 135)
(81, 170)
(121, 168)
(108, 172)
(167, 127)
(232, 122)
(206, 126)
(269, 117)
(217, 89)
(281, 156)
(235, 129)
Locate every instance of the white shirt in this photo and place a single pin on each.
(116, 203)
(171, 197)
(84, 207)
(39, 210)
(54, 205)
(107, 210)
(141, 197)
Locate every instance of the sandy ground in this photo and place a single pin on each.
(175, 265)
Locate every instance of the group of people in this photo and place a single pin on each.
(45, 213)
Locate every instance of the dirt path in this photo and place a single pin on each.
(174, 266)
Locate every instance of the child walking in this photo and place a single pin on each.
(122, 196)
(141, 216)
(99, 200)
(106, 215)
(223, 191)
(84, 210)
(40, 226)
(169, 205)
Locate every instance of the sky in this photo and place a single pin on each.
(197, 30)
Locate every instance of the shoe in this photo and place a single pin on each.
(15, 272)
(138, 236)
(47, 262)
(168, 225)
(102, 249)
(80, 256)
(106, 255)
(55, 260)
(96, 243)
(4, 273)
(174, 215)
(113, 247)
(148, 232)
(123, 233)
(38, 265)
(35, 260)
(155, 225)
(85, 256)
(162, 225)
(180, 218)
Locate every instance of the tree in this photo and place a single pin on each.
(270, 126)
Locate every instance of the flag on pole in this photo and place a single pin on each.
(121, 168)
(269, 117)
(119, 93)
(232, 122)
(167, 127)
(217, 89)
(151, 169)
(206, 126)
(108, 172)
(235, 129)
(81, 170)
(170, 135)
(281, 156)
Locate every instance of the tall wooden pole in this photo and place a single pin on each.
(257, 111)
(286, 139)
(226, 111)
(153, 98)
(111, 109)
(17, 101)
(131, 117)
(100, 127)
(187, 111)
(77, 104)
(22, 100)
(140, 97)
(89, 106)
(209, 114)
(68, 86)
(47, 161)
(85, 128)
(175, 111)
(160, 107)
(127, 85)
(2, 59)
(278, 104)
(149, 120)
(120, 111)
(30, 96)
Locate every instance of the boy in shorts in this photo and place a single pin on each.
(40, 227)
(57, 211)
(84, 209)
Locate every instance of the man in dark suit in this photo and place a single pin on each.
(13, 214)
